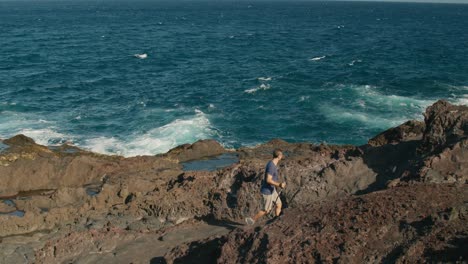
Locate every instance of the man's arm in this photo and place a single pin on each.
(274, 183)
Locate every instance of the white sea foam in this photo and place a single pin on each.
(141, 56)
(261, 87)
(460, 101)
(265, 79)
(341, 115)
(304, 98)
(45, 136)
(42, 131)
(353, 62)
(456, 88)
(372, 108)
(157, 140)
(317, 58)
(368, 95)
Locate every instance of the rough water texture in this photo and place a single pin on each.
(238, 72)
(402, 198)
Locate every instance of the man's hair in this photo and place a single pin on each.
(277, 152)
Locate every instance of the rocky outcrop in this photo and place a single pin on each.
(197, 150)
(392, 226)
(410, 130)
(26, 166)
(446, 125)
(444, 147)
(64, 190)
(401, 159)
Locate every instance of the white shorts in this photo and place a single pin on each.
(269, 200)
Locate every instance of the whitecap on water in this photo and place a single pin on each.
(261, 87)
(343, 115)
(317, 58)
(265, 79)
(45, 136)
(157, 140)
(141, 56)
(460, 101)
(40, 130)
(454, 88)
(372, 97)
(353, 62)
(366, 105)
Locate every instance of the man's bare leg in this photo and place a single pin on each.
(278, 209)
(259, 215)
(251, 221)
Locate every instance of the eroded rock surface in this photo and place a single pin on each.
(69, 195)
(420, 223)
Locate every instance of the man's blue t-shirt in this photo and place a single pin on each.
(273, 171)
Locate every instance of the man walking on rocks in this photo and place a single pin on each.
(268, 189)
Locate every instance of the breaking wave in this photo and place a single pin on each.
(157, 140)
(46, 136)
(317, 58)
(261, 87)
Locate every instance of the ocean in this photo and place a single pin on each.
(141, 77)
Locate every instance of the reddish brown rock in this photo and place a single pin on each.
(65, 189)
(446, 124)
(197, 150)
(410, 130)
(398, 225)
(19, 140)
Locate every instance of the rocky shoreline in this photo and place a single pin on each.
(400, 198)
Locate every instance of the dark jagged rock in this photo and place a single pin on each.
(197, 150)
(446, 125)
(19, 140)
(410, 130)
(65, 190)
(393, 226)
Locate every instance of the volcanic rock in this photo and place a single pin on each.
(397, 225)
(402, 177)
(446, 125)
(410, 130)
(197, 150)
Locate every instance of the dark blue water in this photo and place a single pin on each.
(239, 72)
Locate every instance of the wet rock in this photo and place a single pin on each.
(19, 140)
(151, 193)
(410, 130)
(6, 207)
(197, 150)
